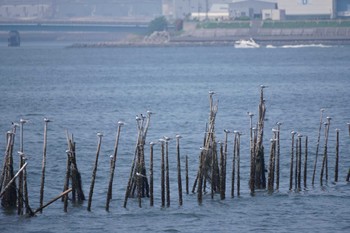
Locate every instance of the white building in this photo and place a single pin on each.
(294, 9)
(299, 9)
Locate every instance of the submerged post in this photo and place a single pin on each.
(317, 147)
(187, 188)
(238, 164)
(162, 174)
(151, 198)
(278, 151)
(179, 181)
(46, 121)
(252, 155)
(299, 161)
(99, 135)
(325, 152)
(291, 162)
(336, 157)
(167, 181)
(305, 162)
(109, 192)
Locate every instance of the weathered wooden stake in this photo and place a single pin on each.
(278, 156)
(10, 196)
(317, 147)
(225, 158)
(20, 191)
(325, 153)
(234, 164)
(200, 176)
(66, 183)
(65, 193)
(99, 135)
(109, 192)
(336, 157)
(252, 155)
(21, 176)
(212, 177)
(25, 190)
(291, 162)
(299, 161)
(151, 198)
(179, 181)
(187, 182)
(167, 181)
(329, 123)
(297, 152)
(238, 164)
(270, 181)
(43, 166)
(13, 179)
(260, 177)
(305, 162)
(222, 186)
(162, 176)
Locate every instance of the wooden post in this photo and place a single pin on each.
(10, 196)
(20, 186)
(25, 190)
(278, 156)
(167, 181)
(299, 161)
(43, 166)
(222, 180)
(329, 123)
(252, 156)
(66, 184)
(162, 177)
(317, 147)
(305, 162)
(296, 165)
(291, 162)
(200, 175)
(179, 181)
(225, 157)
(187, 183)
(324, 161)
(271, 170)
(13, 179)
(238, 164)
(336, 157)
(212, 177)
(99, 135)
(151, 199)
(260, 176)
(65, 193)
(109, 192)
(234, 164)
(21, 176)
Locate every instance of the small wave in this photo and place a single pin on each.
(307, 46)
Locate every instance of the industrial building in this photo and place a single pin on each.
(273, 9)
(174, 9)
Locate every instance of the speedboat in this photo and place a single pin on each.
(246, 44)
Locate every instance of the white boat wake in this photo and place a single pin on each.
(306, 46)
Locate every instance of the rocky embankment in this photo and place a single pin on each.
(220, 36)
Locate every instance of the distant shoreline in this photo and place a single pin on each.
(186, 42)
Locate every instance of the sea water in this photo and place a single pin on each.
(86, 91)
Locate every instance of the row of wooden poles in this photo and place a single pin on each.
(211, 166)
